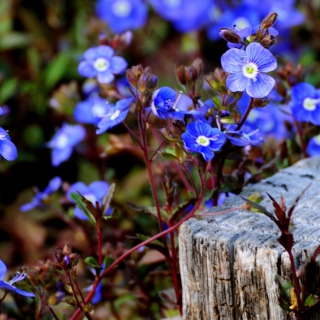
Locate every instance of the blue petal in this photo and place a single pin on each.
(29, 206)
(53, 185)
(3, 269)
(262, 57)
(79, 214)
(303, 90)
(206, 153)
(8, 150)
(261, 87)
(165, 93)
(236, 82)
(82, 113)
(124, 103)
(77, 187)
(105, 77)
(24, 293)
(60, 155)
(233, 60)
(99, 189)
(104, 52)
(86, 69)
(6, 286)
(118, 65)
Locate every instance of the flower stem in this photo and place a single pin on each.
(244, 118)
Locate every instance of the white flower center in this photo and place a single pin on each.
(62, 141)
(122, 8)
(101, 64)
(115, 115)
(98, 109)
(250, 71)
(172, 3)
(310, 104)
(203, 141)
(316, 140)
(91, 197)
(241, 23)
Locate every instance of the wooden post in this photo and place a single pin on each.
(228, 263)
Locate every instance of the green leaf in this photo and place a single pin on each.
(78, 198)
(227, 120)
(56, 69)
(311, 300)
(144, 238)
(8, 89)
(107, 261)
(170, 156)
(12, 40)
(92, 262)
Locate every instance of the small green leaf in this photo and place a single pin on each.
(78, 198)
(227, 120)
(107, 261)
(144, 238)
(12, 40)
(92, 262)
(170, 156)
(8, 89)
(149, 210)
(311, 300)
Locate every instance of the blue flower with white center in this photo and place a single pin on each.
(166, 104)
(200, 137)
(313, 148)
(122, 15)
(101, 63)
(8, 286)
(305, 103)
(7, 149)
(94, 192)
(247, 69)
(115, 115)
(63, 142)
(41, 197)
(90, 110)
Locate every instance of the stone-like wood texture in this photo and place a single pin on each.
(228, 263)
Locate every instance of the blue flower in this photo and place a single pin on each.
(8, 286)
(63, 142)
(101, 63)
(246, 70)
(165, 104)
(122, 15)
(94, 192)
(305, 103)
(7, 149)
(200, 137)
(115, 115)
(313, 148)
(39, 199)
(184, 14)
(88, 111)
(248, 135)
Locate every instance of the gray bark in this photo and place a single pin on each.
(228, 263)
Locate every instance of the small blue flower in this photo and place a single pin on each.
(184, 14)
(90, 110)
(248, 135)
(122, 15)
(305, 103)
(313, 148)
(101, 63)
(94, 192)
(63, 142)
(40, 198)
(7, 149)
(8, 286)
(246, 70)
(115, 115)
(200, 137)
(165, 104)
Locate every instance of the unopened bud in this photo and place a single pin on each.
(268, 41)
(180, 74)
(198, 64)
(191, 74)
(269, 20)
(66, 249)
(229, 35)
(59, 255)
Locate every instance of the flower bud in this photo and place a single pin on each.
(180, 74)
(268, 41)
(229, 35)
(269, 20)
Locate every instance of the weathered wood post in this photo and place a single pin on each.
(228, 263)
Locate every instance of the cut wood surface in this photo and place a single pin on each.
(228, 263)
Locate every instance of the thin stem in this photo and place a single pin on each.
(156, 152)
(5, 294)
(295, 280)
(300, 135)
(244, 118)
(218, 213)
(133, 134)
(98, 232)
(53, 313)
(79, 290)
(76, 297)
(191, 180)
